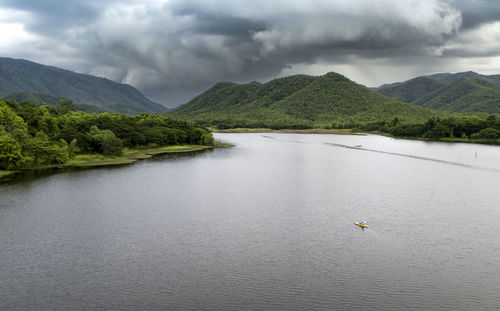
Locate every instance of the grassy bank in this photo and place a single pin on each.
(129, 156)
(6, 173)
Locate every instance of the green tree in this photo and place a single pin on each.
(72, 148)
(11, 123)
(106, 141)
(10, 153)
(489, 133)
(43, 152)
(48, 124)
(438, 131)
(207, 139)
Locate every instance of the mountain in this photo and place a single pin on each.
(411, 90)
(19, 75)
(451, 77)
(298, 99)
(460, 92)
(464, 95)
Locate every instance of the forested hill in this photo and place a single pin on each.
(459, 92)
(18, 75)
(412, 89)
(295, 101)
(464, 95)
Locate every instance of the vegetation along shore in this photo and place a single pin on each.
(39, 137)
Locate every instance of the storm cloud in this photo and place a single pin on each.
(173, 50)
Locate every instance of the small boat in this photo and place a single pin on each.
(361, 224)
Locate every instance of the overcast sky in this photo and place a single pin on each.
(173, 50)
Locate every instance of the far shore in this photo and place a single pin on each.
(351, 132)
(129, 156)
(290, 131)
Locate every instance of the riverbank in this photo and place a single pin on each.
(290, 131)
(480, 141)
(353, 132)
(130, 155)
(4, 174)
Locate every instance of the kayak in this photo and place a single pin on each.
(357, 223)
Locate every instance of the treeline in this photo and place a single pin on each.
(32, 135)
(230, 123)
(470, 127)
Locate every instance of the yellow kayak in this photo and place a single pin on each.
(362, 225)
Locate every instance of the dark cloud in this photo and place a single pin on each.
(172, 50)
(477, 12)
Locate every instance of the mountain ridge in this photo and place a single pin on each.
(466, 91)
(20, 75)
(464, 95)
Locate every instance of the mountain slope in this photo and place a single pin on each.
(464, 95)
(18, 75)
(296, 99)
(460, 92)
(452, 77)
(411, 90)
(44, 99)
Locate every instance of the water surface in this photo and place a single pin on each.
(266, 225)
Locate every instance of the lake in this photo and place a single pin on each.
(265, 225)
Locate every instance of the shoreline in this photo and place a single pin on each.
(350, 132)
(129, 156)
(290, 131)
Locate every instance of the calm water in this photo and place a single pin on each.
(266, 225)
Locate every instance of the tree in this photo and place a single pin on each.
(438, 131)
(72, 148)
(10, 153)
(43, 152)
(489, 133)
(48, 124)
(11, 123)
(207, 139)
(105, 141)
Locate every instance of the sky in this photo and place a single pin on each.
(173, 50)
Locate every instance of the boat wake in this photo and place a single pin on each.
(412, 157)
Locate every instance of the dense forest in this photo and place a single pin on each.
(33, 136)
(456, 127)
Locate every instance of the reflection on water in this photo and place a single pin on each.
(267, 224)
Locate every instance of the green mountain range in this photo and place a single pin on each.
(459, 92)
(296, 100)
(18, 75)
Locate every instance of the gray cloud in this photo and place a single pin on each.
(172, 50)
(477, 12)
